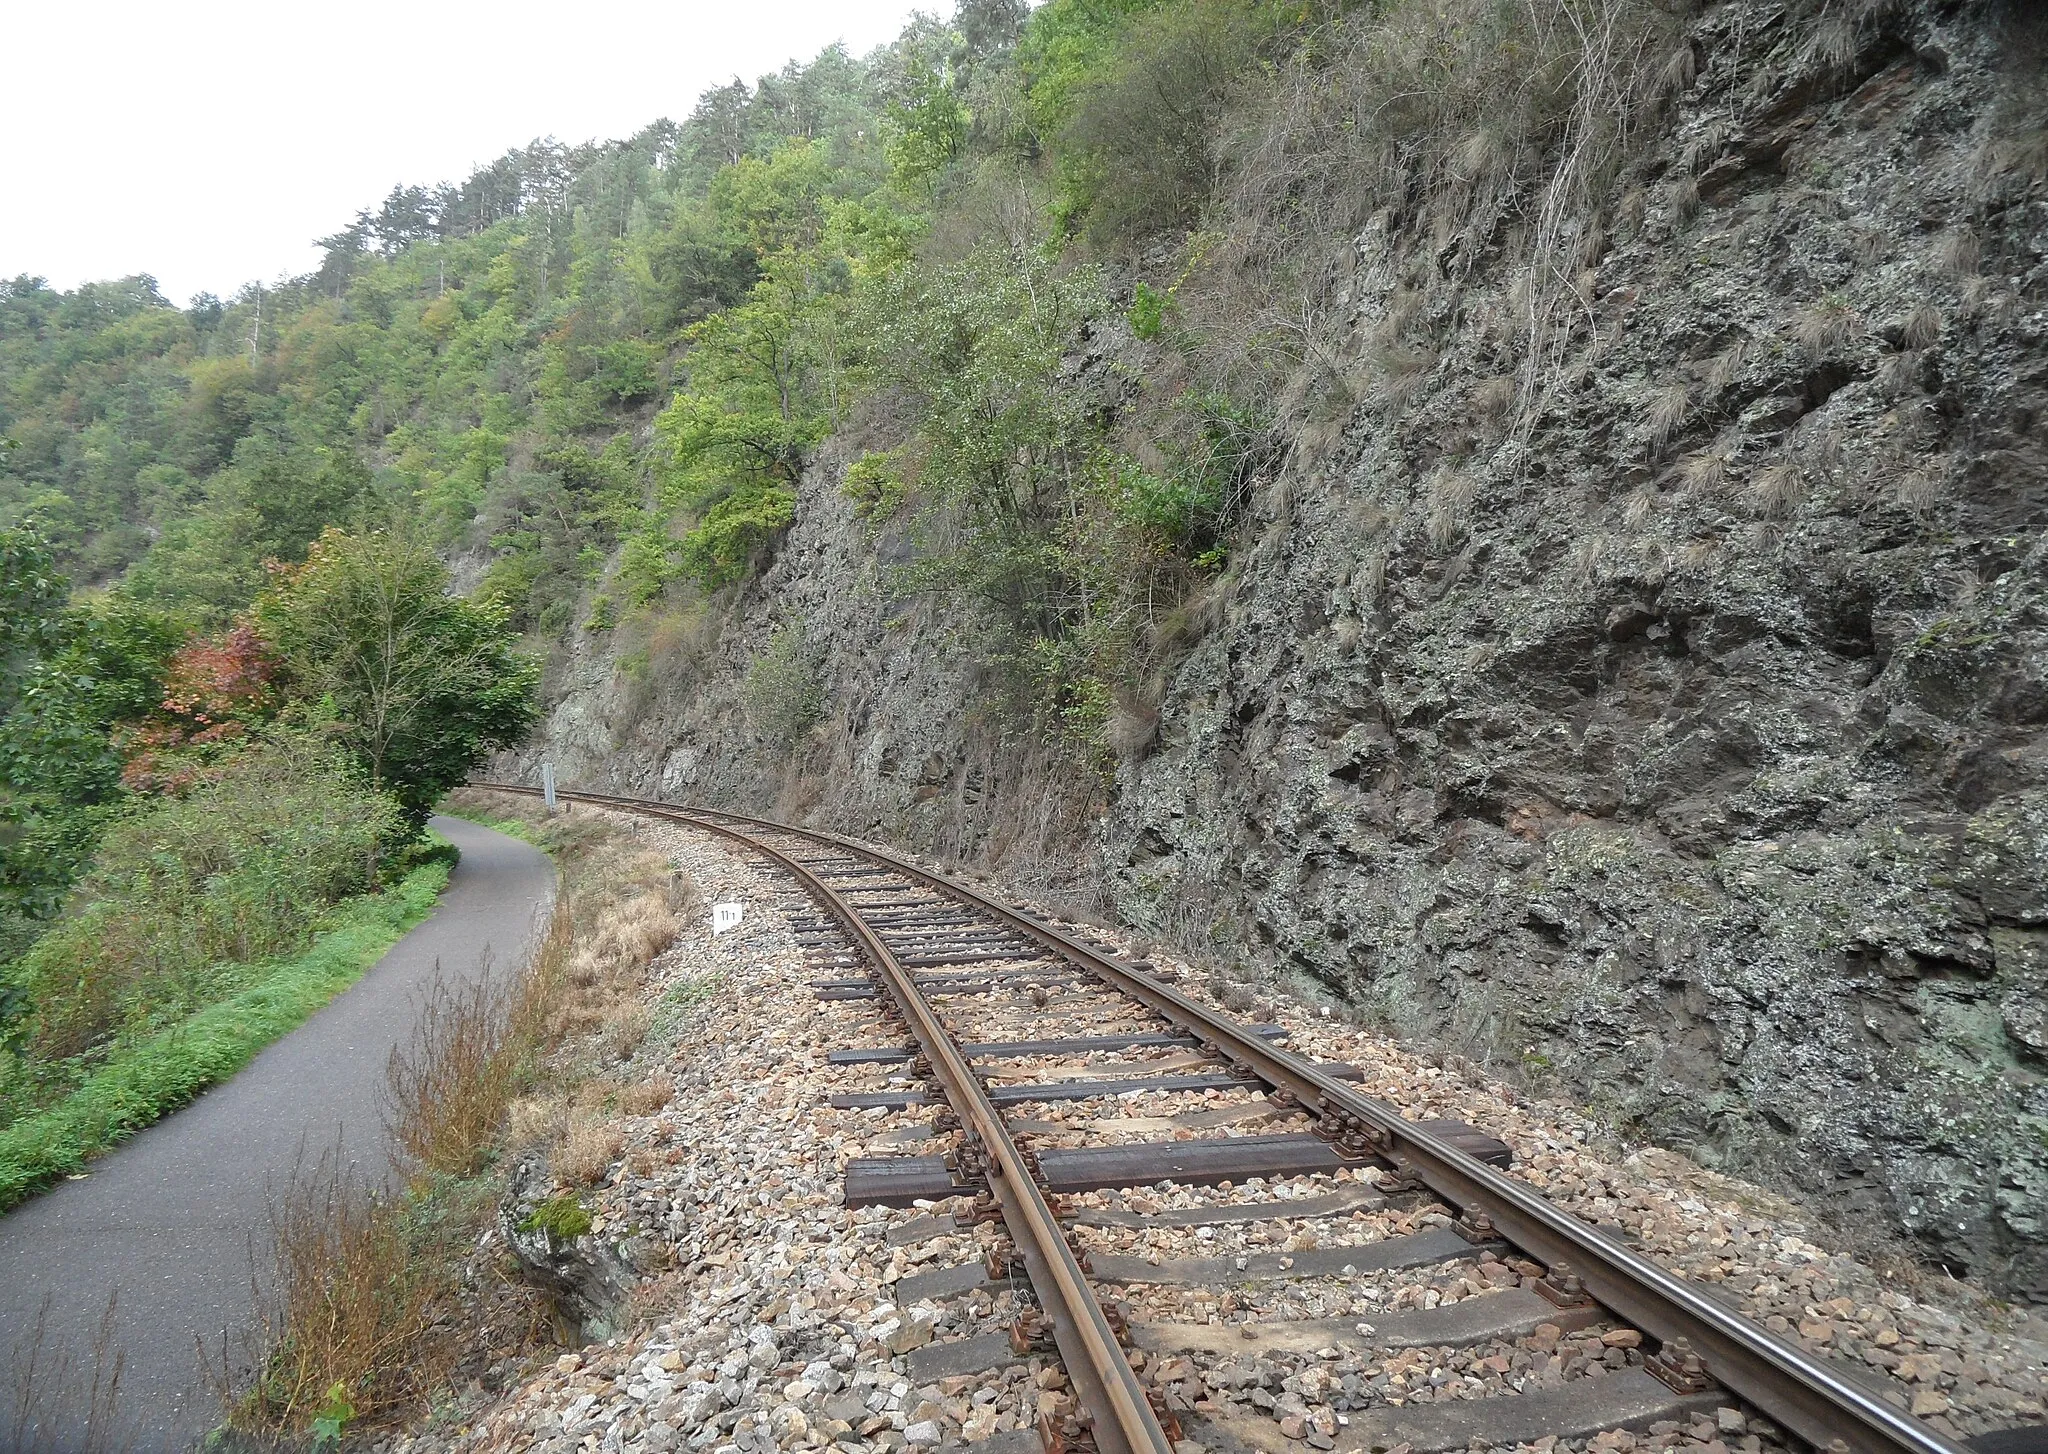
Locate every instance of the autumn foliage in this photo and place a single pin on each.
(215, 689)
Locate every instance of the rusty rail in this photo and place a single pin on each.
(1804, 1393)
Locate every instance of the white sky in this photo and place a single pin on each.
(208, 142)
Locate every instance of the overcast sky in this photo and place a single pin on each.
(208, 142)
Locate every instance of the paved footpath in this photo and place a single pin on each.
(170, 1220)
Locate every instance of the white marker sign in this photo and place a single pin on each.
(726, 916)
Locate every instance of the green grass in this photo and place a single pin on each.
(518, 828)
(143, 1082)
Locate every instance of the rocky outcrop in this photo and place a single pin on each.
(1668, 721)
(1705, 773)
(587, 1275)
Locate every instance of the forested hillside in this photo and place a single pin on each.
(482, 361)
(1528, 516)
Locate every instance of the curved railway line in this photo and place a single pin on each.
(977, 986)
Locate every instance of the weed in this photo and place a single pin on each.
(1823, 330)
(354, 1311)
(1921, 328)
(57, 1401)
(450, 1086)
(1777, 490)
(1668, 409)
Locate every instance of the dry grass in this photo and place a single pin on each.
(1494, 397)
(1704, 470)
(1668, 409)
(1956, 252)
(1685, 198)
(1921, 328)
(1451, 493)
(56, 1400)
(644, 1098)
(1582, 566)
(588, 1151)
(1833, 43)
(536, 1120)
(1777, 490)
(1727, 366)
(1916, 490)
(1896, 373)
(1133, 727)
(1432, 120)
(1823, 330)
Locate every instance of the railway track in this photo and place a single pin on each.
(993, 1015)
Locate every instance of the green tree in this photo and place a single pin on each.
(67, 676)
(420, 684)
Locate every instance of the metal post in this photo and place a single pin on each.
(547, 784)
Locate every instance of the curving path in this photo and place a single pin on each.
(176, 1219)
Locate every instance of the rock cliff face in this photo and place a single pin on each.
(1669, 720)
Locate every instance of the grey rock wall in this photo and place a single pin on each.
(1716, 795)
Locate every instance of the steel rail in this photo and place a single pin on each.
(1119, 1416)
(1815, 1401)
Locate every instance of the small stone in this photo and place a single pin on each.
(914, 1330)
(1730, 1421)
(924, 1433)
(1622, 1338)
(1294, 1426)
(568, 1363)
(1929, 1402)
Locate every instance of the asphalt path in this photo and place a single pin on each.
(174, 1223)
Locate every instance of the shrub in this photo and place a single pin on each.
(1148, 312)
(875, 487)
(783, 696)
(1138, 151)
(183, 895)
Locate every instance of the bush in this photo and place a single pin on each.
(874, 486)
(144, 1080)
(184, 896)
(784, 698)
